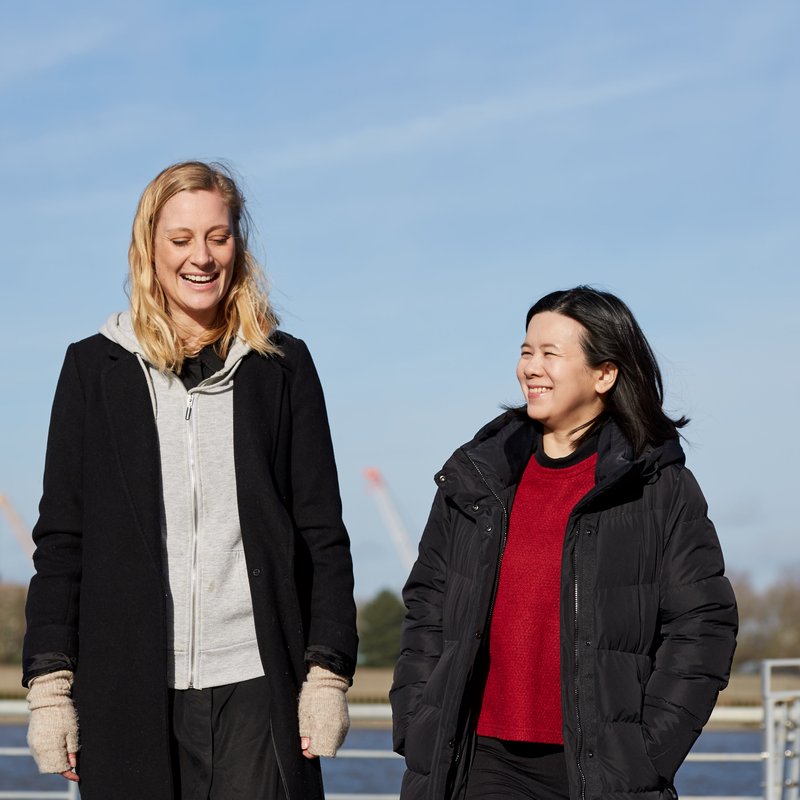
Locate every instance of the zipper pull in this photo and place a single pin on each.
(189, 401)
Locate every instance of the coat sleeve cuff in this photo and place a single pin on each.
(45, 663)
(331, 659)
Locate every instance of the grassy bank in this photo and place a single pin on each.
(372, 686)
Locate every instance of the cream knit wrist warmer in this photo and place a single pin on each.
(53, 728)
(323, 712)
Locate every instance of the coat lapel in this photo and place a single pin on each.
(135, 443)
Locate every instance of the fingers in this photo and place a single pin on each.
(305, 744)
(70, 774)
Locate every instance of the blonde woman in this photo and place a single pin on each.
(191, 627)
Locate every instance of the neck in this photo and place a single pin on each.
(191, 332)
(557, 444)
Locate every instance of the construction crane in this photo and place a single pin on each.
(18, 527)
(391, 516)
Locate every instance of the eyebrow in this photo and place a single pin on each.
(543, 345)
(226, 228)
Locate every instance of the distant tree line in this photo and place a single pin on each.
(12, 622)
(769, 622)
(769, 618)
(379, 623)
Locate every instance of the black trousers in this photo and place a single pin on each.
(222, 744)
(503, 770)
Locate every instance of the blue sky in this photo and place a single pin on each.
(419, 174)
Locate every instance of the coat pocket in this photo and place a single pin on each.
(421, 738)
(423, 730)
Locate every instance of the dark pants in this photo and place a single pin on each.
(222, 744)
(503, 770)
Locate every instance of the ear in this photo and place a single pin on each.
(606, 377)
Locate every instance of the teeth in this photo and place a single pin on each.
(198, 278)
(538, 389)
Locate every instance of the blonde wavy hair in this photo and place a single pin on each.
(244, 311)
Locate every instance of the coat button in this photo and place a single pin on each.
(475, 507)
(451, 743)
(441, 479)
(256, 572)
(478, 634)
(488, 529)
(591, 754)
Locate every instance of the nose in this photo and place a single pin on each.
(533, 366)
(201, 255)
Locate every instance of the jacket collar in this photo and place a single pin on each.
(494, 460)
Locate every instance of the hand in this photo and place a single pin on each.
(322, 713)
(53, 727)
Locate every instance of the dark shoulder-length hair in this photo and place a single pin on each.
(611, 333)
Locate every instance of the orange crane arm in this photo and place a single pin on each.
(391, 516)
(18, 527)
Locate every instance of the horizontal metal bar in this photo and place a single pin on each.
(382, 712)
(352, 752)
(331, 796)
(13, 708)
(718, 757)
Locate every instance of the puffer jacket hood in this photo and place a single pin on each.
(500, 451)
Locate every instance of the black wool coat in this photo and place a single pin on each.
(99, 595)
(647, 620)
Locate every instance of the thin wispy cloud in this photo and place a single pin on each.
(431, 129)
(113, 130)
(23, 57)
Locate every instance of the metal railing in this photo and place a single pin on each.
(780, 689)
(780, 715)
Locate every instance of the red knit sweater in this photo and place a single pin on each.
(522, 697)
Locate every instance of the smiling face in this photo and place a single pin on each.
(561, 390)
(194, 253)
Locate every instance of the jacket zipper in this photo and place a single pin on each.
(503, 538)
(579, 744)
(194, 546)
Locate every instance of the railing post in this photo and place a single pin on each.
(781, 734)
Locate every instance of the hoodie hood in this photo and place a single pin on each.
(119, 328)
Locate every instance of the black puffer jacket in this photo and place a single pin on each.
(648, 622)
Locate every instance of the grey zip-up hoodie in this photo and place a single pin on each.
(213, 635)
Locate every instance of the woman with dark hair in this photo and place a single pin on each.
(191, 624)
(568, 622)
